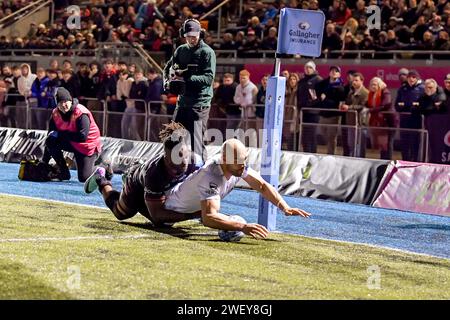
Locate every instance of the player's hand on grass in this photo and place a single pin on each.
(255, 230)
(296, 212)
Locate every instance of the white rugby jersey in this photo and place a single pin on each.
(206, 183)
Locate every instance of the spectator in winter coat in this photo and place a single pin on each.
(407, 104)
(331, 94)
(307, 98)
(379, 101)
(39, 92)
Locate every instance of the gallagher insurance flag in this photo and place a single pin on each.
(301, 32)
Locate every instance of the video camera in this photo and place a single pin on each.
(176, 84)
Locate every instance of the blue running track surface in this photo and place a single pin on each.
(413, 232)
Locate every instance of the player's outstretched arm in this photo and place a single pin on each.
(212, 218)
(256, 182)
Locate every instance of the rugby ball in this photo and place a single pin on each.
(232, 236)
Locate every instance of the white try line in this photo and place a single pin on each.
(67, 203)
(374, 246)
(106, 237)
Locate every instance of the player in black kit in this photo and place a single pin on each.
(145, 184)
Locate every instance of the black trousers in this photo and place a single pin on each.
(195, 120)
(54, 148)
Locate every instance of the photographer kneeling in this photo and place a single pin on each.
(72, 128)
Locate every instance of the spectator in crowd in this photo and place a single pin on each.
(4, 88)
(82, 76)
(307, 98)
(255, 26)
(447, 90)
(407, 104)
(260, 104)
(426, 8)
(360, 10)
(26, 80)
(39, 92)
(270, 13)
(403, 76)
(356, 100)
(385, 11)
(433, 99)
(419, 29)
(24, 83)
(224, 100)
(270, 42)
(251, 45)
(54, 64)
(436, 26)
(340, 14)
(442, 42)
(331, 40)
(123, 90)
(331, 93)
(434, 106)
(70, 83)
(239, 41)
(290, 119)
(227, 42)
(154, 93)
(133, 124)
(52, 84)
(245, 98)
(379, 101)
(107, 82)
(346, 131)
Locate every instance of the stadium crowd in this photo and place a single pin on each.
(238, 101)
(408, 25)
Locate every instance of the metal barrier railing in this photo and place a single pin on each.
(357, 132)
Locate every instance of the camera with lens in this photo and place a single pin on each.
(176, 84)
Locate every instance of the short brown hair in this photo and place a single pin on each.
(228, 75)
(359, 75)
(244, 73)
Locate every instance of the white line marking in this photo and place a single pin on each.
(106, 237)
(367, 245)
(55, 201)
(299, 235)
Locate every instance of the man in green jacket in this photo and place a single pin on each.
(195, 64)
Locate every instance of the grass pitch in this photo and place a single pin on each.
(56, 251)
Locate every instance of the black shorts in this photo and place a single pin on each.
(132, 198)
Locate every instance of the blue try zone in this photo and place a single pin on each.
(420, 233)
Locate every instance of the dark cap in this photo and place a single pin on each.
(338, 69)
(192, 28)
(413, 73)
(62, 95)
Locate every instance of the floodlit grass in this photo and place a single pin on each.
(131, 260)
